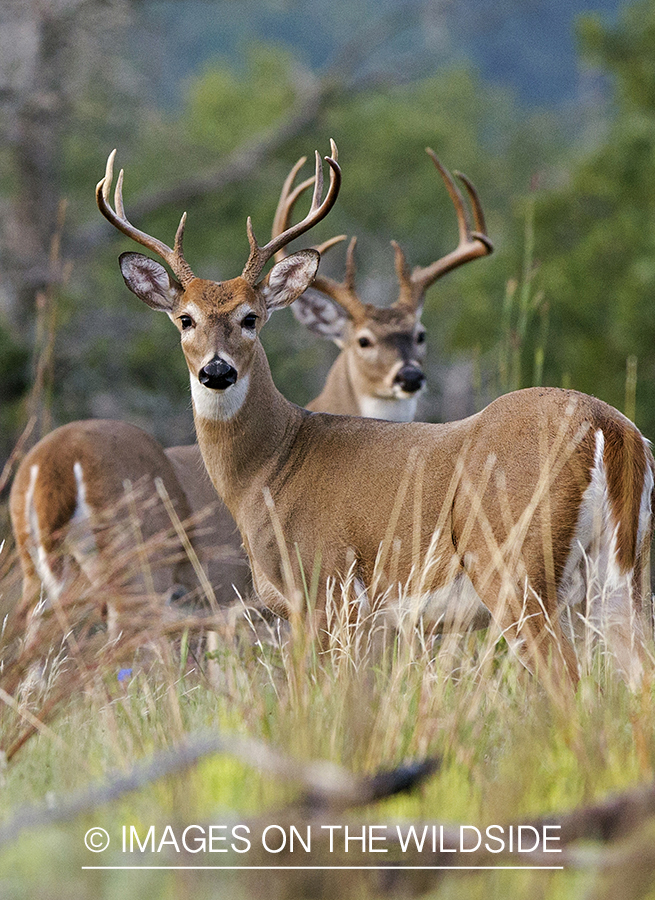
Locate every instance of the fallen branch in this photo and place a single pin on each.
(325, 785)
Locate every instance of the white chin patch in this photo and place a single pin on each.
(400, 394)
(218, 406)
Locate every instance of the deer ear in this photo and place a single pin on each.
(289, 278)
(321, 316)
(150, 281)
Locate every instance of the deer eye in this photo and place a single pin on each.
(186, 322)
(420, 337)
(249, 321)
(364, 341)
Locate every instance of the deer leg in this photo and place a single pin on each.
(530, 624)
(613, 601)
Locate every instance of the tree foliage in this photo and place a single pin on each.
(596, 234)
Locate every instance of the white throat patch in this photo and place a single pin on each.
(218, 406)
(401, 410)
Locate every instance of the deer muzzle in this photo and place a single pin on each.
(410, 379)
(217, 374)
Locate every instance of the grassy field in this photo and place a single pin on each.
(271, 733)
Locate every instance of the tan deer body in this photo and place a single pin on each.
(420, 514)
(73, 509)
(511, 499)
(216, 538)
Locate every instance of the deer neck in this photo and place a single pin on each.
(338, 395)
(347, 394)
(244, 437)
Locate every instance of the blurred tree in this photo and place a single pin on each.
(596, 233)
(50, 52)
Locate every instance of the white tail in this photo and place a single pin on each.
(508, 501)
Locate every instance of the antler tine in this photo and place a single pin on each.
(455, 194)
(331, 242)
(288, 198)
(478, 213)
(343, 292)
(259, 256)
(285, 206)
(349, 280)
(472, 244)
(174, 257)
(118, 196)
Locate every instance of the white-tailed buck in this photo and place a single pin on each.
(379, 372)
(507, 511)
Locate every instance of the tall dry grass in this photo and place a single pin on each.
(366, 685)
(374, 694)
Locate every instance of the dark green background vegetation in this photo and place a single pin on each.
(552, 116)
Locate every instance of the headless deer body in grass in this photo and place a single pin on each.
(497, 512)
(78, 511)
(87, 483)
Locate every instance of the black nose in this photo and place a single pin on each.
(217, 374)
(410, 379)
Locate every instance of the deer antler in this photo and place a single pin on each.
(472, 244)
(286, 203)
(174, 257)
(342, 292)
(259, 256)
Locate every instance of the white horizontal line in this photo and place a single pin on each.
(311, 868)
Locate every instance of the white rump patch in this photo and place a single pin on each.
(219, 406)
(593, 588)
(37, 551)
(82, 509)
(593, 518)
(82, 538)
